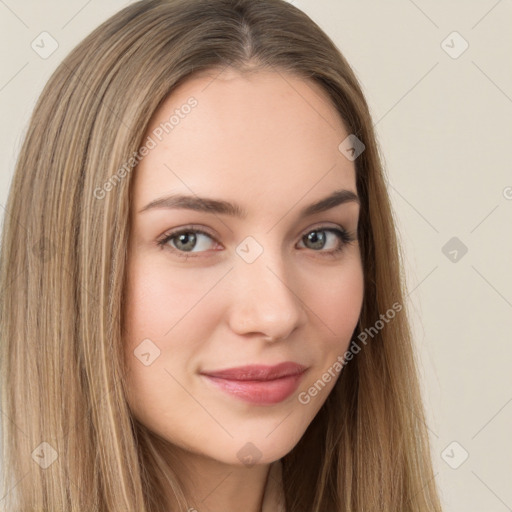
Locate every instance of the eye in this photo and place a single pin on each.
(186, 241)
(327, 240)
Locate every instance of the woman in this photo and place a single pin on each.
(203, 306)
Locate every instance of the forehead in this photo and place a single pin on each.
(243, 136)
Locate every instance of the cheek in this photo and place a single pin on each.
(159, 300)
(335, 301)
(168, 318)
(336, 298)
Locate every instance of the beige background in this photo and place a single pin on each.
(445, 128)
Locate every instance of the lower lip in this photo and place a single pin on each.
(266, 392)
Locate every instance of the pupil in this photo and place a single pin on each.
(318, 241)
(183, 239)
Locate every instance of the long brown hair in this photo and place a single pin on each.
(69, 441)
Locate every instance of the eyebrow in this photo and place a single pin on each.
(208, 205)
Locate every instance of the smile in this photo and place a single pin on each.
(259, 384)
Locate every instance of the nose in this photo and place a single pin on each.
(264, 302)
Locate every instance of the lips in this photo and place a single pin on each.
(259, 384)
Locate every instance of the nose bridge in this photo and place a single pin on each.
(264, 298)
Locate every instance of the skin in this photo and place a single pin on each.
(269, 142)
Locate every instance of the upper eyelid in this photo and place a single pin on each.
(187, 229)
(204, 231)
(177, 231)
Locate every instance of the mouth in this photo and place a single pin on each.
(258, 384)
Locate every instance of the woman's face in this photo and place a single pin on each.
(231, 267)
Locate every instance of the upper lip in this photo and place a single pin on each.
(258, 372)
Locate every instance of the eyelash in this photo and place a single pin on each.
(343, 235)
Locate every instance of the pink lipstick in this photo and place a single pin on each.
(259, 384)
